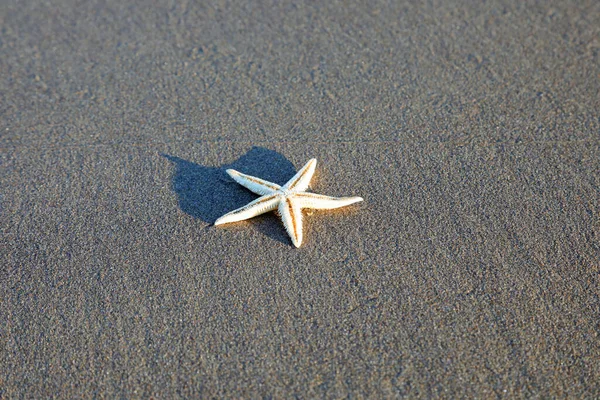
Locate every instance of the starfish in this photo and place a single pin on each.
(288, 199)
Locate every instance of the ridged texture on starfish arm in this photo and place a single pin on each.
(300, 181)
(256, 185)
(291, 215)
(321, 202)
(259, 206)
(289, 200)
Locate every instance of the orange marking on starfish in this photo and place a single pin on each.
(289, 203)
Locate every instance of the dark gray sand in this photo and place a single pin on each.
(471, 269)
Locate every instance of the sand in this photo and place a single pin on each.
(471, 269)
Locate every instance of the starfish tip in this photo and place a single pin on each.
(222, 220)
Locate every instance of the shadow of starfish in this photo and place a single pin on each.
(208, 192)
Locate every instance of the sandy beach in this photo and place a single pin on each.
(471, 130)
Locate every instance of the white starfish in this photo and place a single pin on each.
(288, 199)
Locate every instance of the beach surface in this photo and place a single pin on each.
(471, 130)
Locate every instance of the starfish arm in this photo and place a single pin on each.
(291, 215)
(302, 178)
(254, 184)
(321, 202)
(259, 206)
